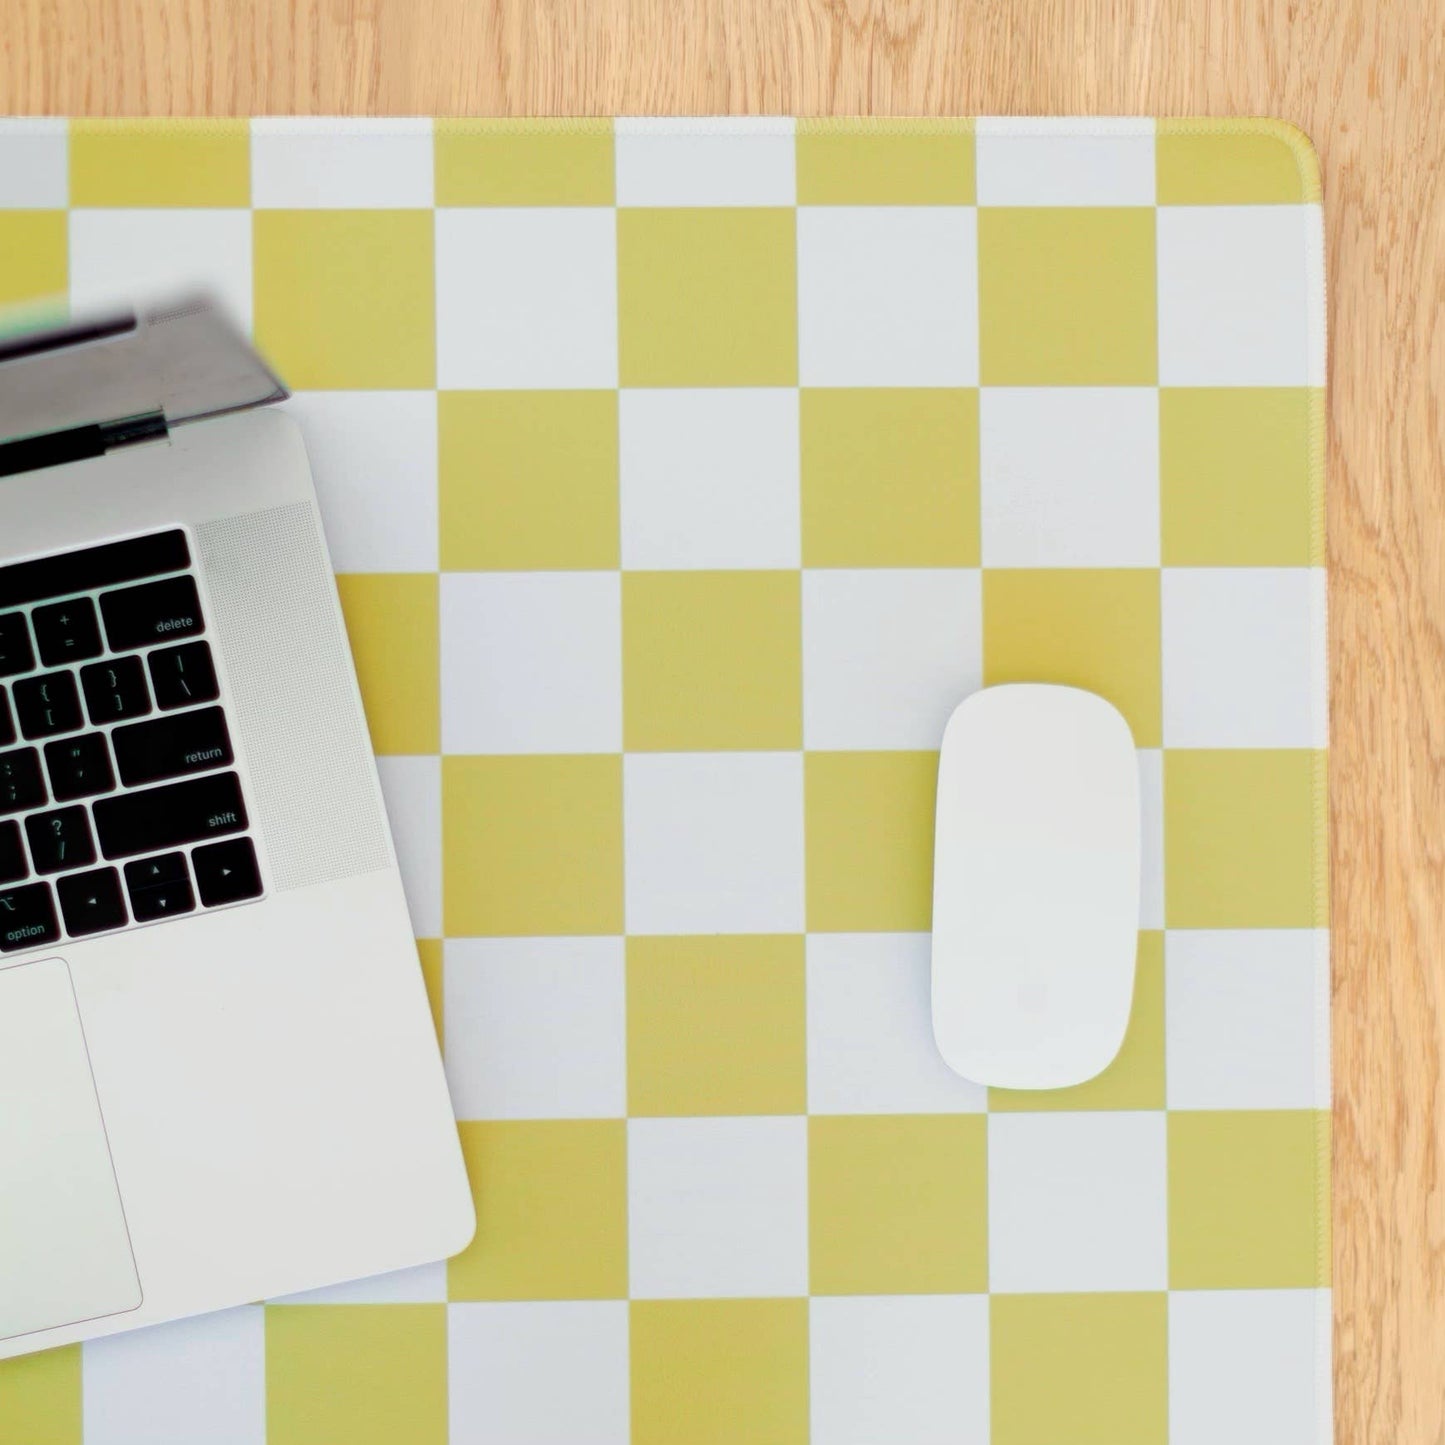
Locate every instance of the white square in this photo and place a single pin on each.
(742, 161)
(1249, 1366)
(1244, 657)
(422, 1284)
(1021, 162)
(1247, 1021)
(911, 1368)
(531, 662)
(34, 163)
(536, 1028)
(717, 1207)
(311, 163)
(1237, 296)
(713, 842)
(710, 479)
(127, 256)
(175, 1384)
(888, 296)
(530, 298)
(1077, 1202)
(552, 1373)
(374, 457)
(888, 655)
(870, 1029)
(412, 787)
(1151, 851)
(1069, 476)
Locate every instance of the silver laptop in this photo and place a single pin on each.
(219, 1077)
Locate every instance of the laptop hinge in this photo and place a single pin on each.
(80, 443)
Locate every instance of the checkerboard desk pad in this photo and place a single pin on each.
(681, 477)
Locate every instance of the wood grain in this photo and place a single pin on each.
(1364, 79)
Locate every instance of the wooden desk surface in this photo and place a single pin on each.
(1362, 77)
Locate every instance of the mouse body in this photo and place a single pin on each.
(1036, 886)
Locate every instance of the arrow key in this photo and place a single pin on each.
(91, 902)
(227, 872)
(163, 900)
(152, 872)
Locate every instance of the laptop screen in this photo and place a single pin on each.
(184, 360)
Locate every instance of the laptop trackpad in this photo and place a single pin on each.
(65, 1254)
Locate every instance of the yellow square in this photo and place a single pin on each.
(890, 477)
(897, 1204)
(1091, 1369)
(345, 299)
(40, 1398)
(711, 660)
(532, 846)
(528, 480)
(1095, 628)
(869, 827)
(719, 1372)
(34, 256)
(1245, 838)
(156, 162)
(885, 163)
(1135, 1080)
(391, 618)
(1241, 473)
(1066, 296)
(1248, 1199)
(524, 163)
(551, 1200)
(716, 1025)
(707, 297)
(429, 950)
(1234, 163)
(362, 1374)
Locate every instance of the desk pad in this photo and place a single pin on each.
(681, 476)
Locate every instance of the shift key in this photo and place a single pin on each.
(159, 818)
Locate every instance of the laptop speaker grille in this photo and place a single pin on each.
(285, 654)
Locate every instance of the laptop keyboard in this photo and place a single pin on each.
(120, 803)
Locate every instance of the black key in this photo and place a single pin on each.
(159, 887)
(153, 872)
(227, 872)
(168, 817)
(60, 840)
(7, 723)
(139, 616)
(165, 900)
(12, 854)
(93, 567)
(22, 785)
(47, 704)
(115, 690)
(67, 631)
(16, 654)
(91, 902)
(184, 675)
(78, 767)
(172, 747)
(27, 917)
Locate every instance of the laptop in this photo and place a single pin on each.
(219, 1074)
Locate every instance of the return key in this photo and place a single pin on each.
(172, 746)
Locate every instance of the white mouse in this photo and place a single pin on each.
(1035, 886)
